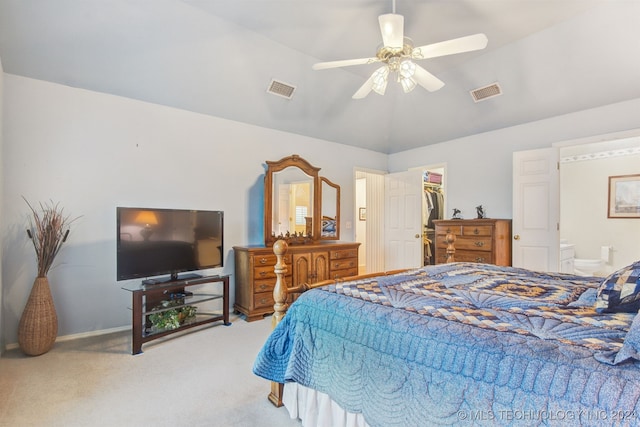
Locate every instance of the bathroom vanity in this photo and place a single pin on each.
(567, 255)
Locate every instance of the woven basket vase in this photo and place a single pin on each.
(38, 327)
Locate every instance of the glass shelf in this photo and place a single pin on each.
(154, 295)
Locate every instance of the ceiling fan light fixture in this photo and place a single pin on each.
(407, 68)
(380, 79)
(408, 84)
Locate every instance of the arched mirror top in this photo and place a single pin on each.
(292, 161)
(329, 210)
(293, 203)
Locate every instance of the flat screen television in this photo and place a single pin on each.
(154, 242)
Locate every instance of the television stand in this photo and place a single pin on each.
(171, 299)
(172, 278)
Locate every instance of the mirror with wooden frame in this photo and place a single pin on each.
(293, 206)
(329, 210)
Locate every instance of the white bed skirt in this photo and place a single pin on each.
(316, 409)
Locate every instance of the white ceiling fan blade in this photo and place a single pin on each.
(364, 89)
(449, 47)
(343, 63)
(427, 80)
(392, 29)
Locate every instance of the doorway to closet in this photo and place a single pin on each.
(390, 236)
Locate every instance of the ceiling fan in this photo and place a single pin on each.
(398, 55)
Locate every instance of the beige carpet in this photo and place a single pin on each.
(200, 378)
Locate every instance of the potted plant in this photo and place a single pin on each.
(166, 318)
(48, 230)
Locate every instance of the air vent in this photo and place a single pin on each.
(486, 92)
(284, 90)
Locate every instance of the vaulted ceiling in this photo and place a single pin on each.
(217, 57)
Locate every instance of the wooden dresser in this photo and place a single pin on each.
(255, 278)
(477, 240)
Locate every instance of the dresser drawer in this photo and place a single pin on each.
(450, 229)
(266, 272)
(467, 256)
(263, 299)
(473, 243)
(264, 286)
(477, 230)
(343, 264)
(473, 256)
(343, 253)
(479, 243)
(264, 260)
(339, 274)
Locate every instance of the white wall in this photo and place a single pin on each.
(93, 152)
(479, 167)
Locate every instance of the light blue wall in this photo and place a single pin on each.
(92, 152)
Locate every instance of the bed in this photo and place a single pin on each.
(460, 343)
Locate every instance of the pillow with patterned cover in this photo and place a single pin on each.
(620, 291)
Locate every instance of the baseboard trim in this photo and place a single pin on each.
(80, 335)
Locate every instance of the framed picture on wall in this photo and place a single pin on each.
(624, 196)
(362, 214)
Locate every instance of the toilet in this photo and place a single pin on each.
(591, 267)
(587, 267)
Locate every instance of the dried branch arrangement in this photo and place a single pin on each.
(49, 228)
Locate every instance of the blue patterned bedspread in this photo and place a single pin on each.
(465, 344)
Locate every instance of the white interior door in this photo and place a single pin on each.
(403, 220)
(536, 210)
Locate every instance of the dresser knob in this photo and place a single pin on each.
(263, 261)
(476, 231)
(479, 259)
(479, 244)
(263, 273)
